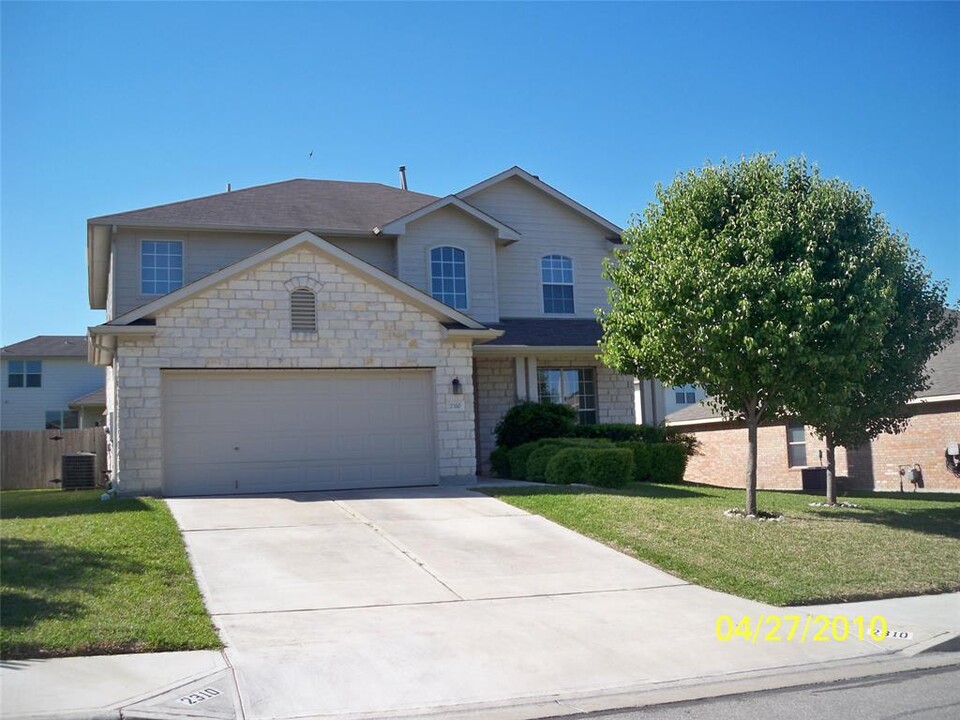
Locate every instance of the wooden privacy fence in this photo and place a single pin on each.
(31, 458)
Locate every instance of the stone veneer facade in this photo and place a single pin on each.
(497, 393)
(244, 323)
(722, 459)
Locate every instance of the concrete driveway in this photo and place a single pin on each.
(383, 603)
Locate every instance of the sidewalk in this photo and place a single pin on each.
(202, 684)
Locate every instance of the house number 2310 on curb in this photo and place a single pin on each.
(199, 696)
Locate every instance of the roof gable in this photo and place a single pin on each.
(533, 180)
(399, 226)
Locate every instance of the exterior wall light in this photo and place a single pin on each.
(457, 387)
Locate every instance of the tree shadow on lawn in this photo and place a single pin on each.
(61, 503)
(634, 489)
(35, 572)
(944, 522)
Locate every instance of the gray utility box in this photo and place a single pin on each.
(78, 471)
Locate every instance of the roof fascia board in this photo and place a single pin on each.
(399, 226)
(98, 265)
(934, 399)
(519, 172)
(271, 229)
(531, 349)
(332, 252)
(485, 335)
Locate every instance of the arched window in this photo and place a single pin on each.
(556, 276)
(448, 276)
(303, 310)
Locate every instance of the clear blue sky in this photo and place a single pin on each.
(111, 107)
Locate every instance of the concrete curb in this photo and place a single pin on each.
(674, 692)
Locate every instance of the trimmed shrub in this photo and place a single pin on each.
(641, 459)
(622, 432)
(566, 466)
(518, 459)
(536, 468)
(668, 461)
(603, 467)
(531, 421)
(500, 462)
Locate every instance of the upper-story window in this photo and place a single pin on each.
(303, 310)
(161, 266)
(24, 373)
(448, 276)
(685, 395)
(556, 275)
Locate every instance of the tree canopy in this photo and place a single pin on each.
(762, 282)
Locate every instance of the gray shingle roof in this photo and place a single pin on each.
(95, 398)
(48, 346)
(546, 332)
(300, 204)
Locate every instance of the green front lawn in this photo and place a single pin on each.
(83, 577)
(896, 545)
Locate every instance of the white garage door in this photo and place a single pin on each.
(262, 431)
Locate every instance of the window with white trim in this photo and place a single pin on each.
(24, 373)
(556, 277)
(576, 387)
(685, 395)
(62, 419)
(796, 444)
(303, 310)
(448, 276)
(161, 266)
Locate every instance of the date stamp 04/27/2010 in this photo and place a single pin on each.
(805, 628)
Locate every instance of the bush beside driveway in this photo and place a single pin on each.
(85, 577)
(894, 545)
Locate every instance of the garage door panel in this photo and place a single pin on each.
(235, 432)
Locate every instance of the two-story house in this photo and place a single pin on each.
(48, 383)
(314, 334)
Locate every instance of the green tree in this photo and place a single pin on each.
(758, 281)
(860, 400)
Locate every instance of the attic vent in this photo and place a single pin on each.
(303, 310)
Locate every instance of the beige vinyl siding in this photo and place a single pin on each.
(62, 380)
(208, 252)
(450, 226)
(548, 228)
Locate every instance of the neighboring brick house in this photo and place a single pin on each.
(314, 334)
(48, 384)
(787, 449)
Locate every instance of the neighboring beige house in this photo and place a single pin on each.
(315, 334)
(48, 384)
(791, 456)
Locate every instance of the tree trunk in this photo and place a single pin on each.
(752, 422)
(831, 469)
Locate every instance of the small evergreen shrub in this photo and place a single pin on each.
(668, 461)
(600, 466)
(536, 467)
(518, 459)
(500, 462)
(530, 421)
(566, 466)
(641, 459)
(622, 432)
